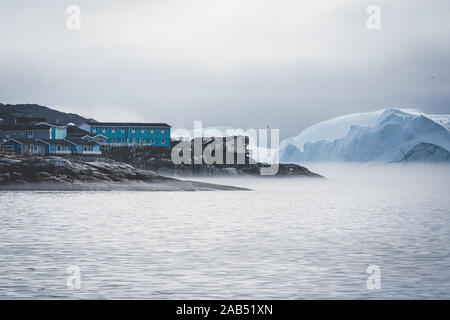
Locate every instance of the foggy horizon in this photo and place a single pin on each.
(243, 64)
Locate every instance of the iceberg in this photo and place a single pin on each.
(380, 136)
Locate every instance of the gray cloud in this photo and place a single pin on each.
(246, 63)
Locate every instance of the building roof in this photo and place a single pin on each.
(98, 135)
(20, 127)
(127, 124)
(73, 131)
(49, 124)
(25, 141)
(92, 136)
(61, 142)
(82, 142)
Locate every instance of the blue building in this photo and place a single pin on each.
(40, 130)
(24, 146)
(50, 146)
(56, 131)
(73, 132)
(25, 132)
(84, 146)
(46, 138)
(58, 146)
(126, 134)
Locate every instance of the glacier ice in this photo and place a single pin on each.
(380, 136)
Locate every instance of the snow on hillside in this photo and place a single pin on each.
(382, 135)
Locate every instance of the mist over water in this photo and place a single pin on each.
(287, 238)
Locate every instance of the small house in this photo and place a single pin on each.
(58, 146)
(28, 131)
(84, 147)
(24, 146)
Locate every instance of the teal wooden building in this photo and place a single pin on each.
(126, 133)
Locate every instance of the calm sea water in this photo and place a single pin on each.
(286, 239)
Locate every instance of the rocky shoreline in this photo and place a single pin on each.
(78, 174)
(146, 158)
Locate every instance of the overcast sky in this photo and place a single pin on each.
(238, 63)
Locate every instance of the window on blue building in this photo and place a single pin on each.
(163, 130)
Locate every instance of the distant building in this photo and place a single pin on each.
(84, 146)
(56, 131)
(78, 133)
(58, 146)
(130, 134)
(75, 132)
(45, 138)
(50, 147)
(27, 131)
(24, 146)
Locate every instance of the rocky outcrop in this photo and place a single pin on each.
(149, 158)
(56, 173)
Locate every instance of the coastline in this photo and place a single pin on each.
(61, 174)
(169, 185)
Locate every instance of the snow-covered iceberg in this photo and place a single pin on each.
(380, 136)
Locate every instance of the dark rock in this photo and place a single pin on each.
(158, 160)
(5, 177)
(54, 173)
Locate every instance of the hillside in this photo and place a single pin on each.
(8, 112)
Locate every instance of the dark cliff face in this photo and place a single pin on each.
(8, 112)
(427, 152)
